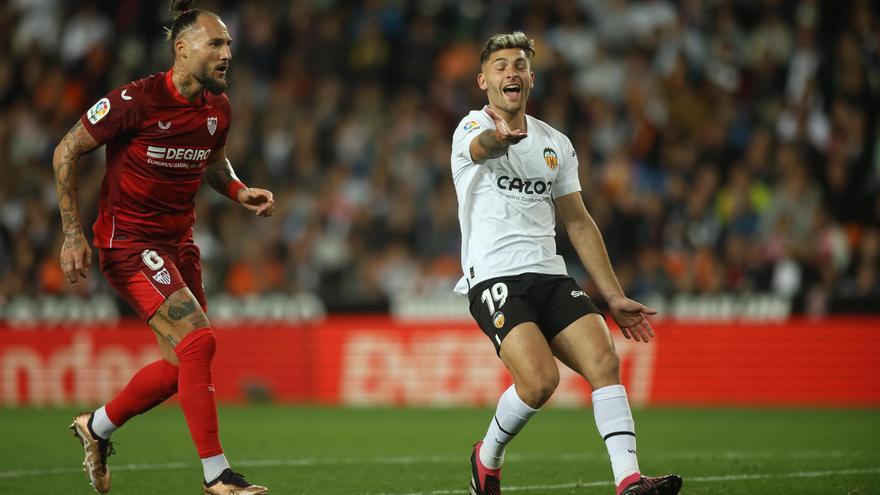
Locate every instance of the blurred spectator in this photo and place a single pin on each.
(725, 147)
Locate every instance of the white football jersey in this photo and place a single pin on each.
(505, 205)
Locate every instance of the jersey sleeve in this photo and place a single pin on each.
(568, 181)
(467, 130)
(115, 113)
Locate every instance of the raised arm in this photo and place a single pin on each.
(221, 177)
(493, 143)
(76, 255)
(587, 241)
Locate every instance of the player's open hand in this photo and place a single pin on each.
(630, 317)
(76, 256)
(259, 201)
(503, 131)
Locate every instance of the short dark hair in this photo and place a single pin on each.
(185, 15)
(516, 39)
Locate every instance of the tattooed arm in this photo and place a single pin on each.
(220, 176)
(493, 143)
(76, 255)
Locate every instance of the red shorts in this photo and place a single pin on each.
(146, 277)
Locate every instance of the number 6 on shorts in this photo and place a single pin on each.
(152, 259)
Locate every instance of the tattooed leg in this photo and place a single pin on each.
(179, 315)
(185, 329)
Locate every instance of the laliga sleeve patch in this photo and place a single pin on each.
(471, 126)
(99, 111)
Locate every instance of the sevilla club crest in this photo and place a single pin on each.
(162, 276)
(212, 125)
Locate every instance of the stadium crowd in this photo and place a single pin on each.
(724, 146)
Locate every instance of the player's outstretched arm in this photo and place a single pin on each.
(220, 176)
(493, 143)
(587, 241)
(76, 255)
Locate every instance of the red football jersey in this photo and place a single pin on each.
(158, 145)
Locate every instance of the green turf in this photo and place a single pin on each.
(404, 451)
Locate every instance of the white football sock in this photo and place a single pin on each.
(213, 466)
(615, 423)
(101, 424)
(510, 417)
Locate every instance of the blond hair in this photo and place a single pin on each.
(516, 39)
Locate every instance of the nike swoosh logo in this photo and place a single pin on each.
(124, 96)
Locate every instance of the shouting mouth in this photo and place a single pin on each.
(512, 91)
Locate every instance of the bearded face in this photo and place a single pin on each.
(207, 53)
(213, 77)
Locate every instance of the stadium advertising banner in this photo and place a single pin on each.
(369, 360)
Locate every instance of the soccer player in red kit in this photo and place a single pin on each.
(163, 134)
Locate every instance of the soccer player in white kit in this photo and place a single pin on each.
(510, 170)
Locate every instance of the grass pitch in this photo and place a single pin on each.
(303, 450)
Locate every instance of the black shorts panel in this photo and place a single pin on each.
(566, 303)
(552, 302)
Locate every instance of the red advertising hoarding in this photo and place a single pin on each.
(370, 360)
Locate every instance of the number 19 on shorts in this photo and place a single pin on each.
(496, 294)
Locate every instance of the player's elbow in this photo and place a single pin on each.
(58, 154)
(578, 227)
(478, 154)
(65, 154)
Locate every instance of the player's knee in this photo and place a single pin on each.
(198, 345)
(611, 363)
(539, 387)
(607, 367)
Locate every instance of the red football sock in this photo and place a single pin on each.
(151, 385)
(196, 390)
